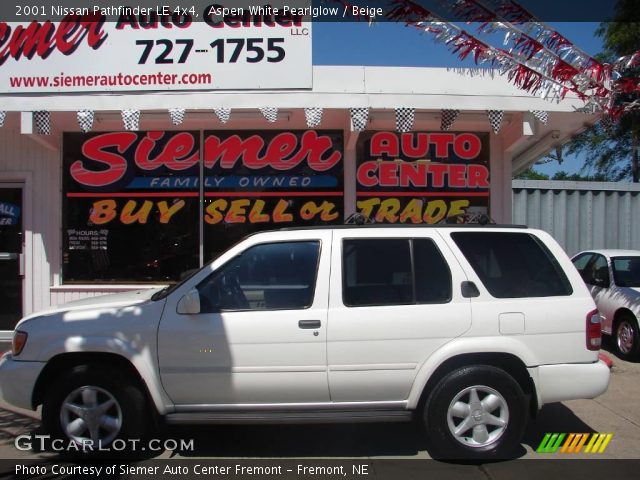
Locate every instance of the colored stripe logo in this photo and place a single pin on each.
(574, 442)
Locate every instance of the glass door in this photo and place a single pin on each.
(10, 256)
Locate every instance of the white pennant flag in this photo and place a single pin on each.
(223, 114)
(131, 119)
(404, 119)
(177, 115)
(541, 115)
(313, 116)
(359, 118)
(85, 120)
(42, 119)
(448, 116)
(608, 125)
(270, 113)
(495, 118)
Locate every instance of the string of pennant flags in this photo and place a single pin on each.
(360, 117)
(531, 54)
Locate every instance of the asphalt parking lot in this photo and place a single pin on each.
(616, 412)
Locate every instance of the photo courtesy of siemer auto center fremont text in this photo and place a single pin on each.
(320, 239)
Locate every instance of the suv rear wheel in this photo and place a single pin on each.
(475, 412)
(93, 406)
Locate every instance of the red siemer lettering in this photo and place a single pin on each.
(279, 154)
(283, 152)
(43, 38)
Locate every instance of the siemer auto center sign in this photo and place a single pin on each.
(198, 46)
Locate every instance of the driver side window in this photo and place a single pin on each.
(270, 276)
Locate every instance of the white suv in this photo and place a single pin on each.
(471, 329)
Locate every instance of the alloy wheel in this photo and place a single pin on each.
(478, 416)
(91, 416)
(625, 337)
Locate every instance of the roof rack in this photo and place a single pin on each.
(474, 219)
(403, 225)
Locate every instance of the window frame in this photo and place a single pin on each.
(410, 240)
(317, 241)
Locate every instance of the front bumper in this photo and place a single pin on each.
(570, 381)
(17, 380)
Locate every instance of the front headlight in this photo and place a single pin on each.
(18, 342)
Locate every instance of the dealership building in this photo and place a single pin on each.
(125, 162)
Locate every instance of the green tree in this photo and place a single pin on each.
(531, 174)
(576, 177)
(611, 151)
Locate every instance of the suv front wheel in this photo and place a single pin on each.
(92, 406)
(475, 412)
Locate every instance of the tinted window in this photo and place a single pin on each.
(433, 277)
(513, 265)
(380, 272)
(274, 276)
(581, 261)
(377, 272)
(626, 271)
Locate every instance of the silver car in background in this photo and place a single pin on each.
(613, 278)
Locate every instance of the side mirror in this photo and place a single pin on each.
(190, 303)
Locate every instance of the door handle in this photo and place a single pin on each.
(8, 256)
(309, 324)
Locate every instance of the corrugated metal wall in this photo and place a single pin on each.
(580, 215)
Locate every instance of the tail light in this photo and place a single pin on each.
(594, 330)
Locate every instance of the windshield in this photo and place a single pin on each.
(626, 271)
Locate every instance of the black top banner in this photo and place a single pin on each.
(219, 13)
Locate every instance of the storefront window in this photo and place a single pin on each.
(130, 206)
(259, 180)
(422, 177)
(131, 200)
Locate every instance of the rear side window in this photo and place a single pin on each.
(394, 272)
(513, 265)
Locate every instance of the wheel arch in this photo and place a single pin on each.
(67, 361)
(508, 362)
(620, 312)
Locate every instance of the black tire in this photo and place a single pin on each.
(626, 337)
(129, 407)
(486, 380)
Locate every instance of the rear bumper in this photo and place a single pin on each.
(570, 381)
(17, 380)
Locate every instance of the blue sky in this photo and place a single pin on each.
(393, 44)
